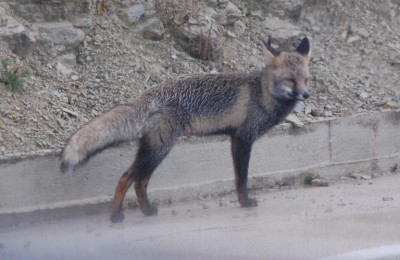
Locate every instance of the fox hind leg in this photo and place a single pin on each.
(143, 201)
(241, 156)
(147, 160)
(123, 185)
(153, 148)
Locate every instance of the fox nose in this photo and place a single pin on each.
(300, 95)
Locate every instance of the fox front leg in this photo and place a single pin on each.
(241, 156)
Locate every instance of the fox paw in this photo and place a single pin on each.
(117, 217)
(249, 203)
(150, 211)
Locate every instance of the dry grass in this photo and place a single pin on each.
(102, 7)
(175, 14)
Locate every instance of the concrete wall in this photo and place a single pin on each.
(366, 143)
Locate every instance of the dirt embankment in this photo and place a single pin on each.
(85, 58)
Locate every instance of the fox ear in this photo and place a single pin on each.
(270, 52)
(304, 47)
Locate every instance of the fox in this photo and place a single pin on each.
(242, 106)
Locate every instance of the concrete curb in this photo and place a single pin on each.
(33, 190)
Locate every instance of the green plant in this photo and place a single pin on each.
(12, 76)
(308, 177)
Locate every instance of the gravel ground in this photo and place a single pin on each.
(356, 59)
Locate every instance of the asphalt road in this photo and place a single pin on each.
(353, 219)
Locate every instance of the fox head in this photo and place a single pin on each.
(288, 75)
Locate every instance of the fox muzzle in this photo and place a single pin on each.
(300, 95)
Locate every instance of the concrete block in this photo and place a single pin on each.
(388, 135)
(38, 181)
(296, 148)
(200, 166)
(353, 138)
(191, 164)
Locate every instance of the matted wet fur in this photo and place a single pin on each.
(243, 106)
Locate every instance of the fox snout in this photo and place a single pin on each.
(287, 92)
(299, 95)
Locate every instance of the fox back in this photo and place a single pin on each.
(227, 103)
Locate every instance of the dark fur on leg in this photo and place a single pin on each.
(144, 204)
(241, 156)
(123, 185)
(147, 160)
(148, 157)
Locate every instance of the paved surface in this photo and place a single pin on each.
(355, 219)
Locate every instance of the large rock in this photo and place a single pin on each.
(285, 9)
(230, 14)
(59, 33)
(283, 33)
(152, 29)
(135, 13)
(83, 22)
(19, 39)
(49, 10)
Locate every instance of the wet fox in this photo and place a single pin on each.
(242, 106)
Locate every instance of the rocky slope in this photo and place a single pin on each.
(88, 56)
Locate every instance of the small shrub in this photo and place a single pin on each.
(102, 7)
(308, 178)
(175, 14)
(12, 76)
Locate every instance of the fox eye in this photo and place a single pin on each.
(289, 82)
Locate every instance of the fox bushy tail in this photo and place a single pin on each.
(122, 123)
